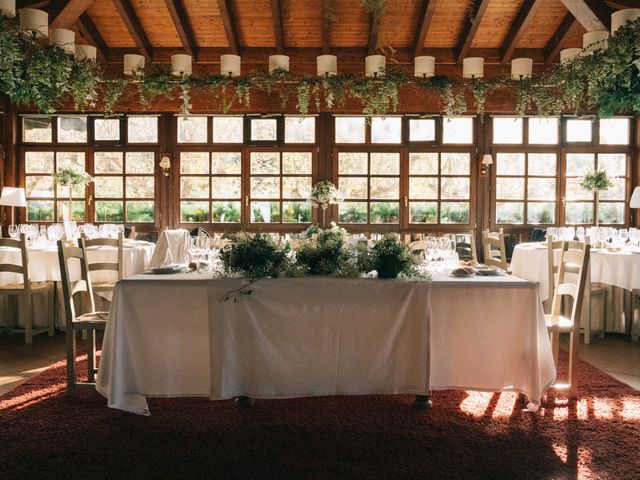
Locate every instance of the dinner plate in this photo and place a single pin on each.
(166, 269)
(488, 272)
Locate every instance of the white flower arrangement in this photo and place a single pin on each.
(324, 193)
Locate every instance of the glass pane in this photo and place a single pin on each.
(77, 211)
(38, 162)
(296, 163)
(425, 163)
(383, 188)
(194, 212)
(39, 186)
(140, 211)
(615, 164)
(541, 213)
(542, 164)
(225, 212)
(265, 162)
(225, 187)
(617, 192)
(62, 191)
(352, 163)
(509, 212)
(507, 130)
(109, 211)
(265, 212)
(265, 187)
(579, 130)
(353, 187)
(614, 131)
(140, 162)
(454, 188)
(510, 188)
(299, 129)
(72, 129)
(422, 130)
(576, 192)
(264, 129)
(228, 129)
(457, 130)
(579, 213)
(510, 164)
(385, 212)
(140, 187)
(39, 211)
(194, 162)
(192, 130)
(142, 129)
(423, 188)
(350, 130)
(386, 130)
(108, 187)
(454, 212)
(352, 212)
(37, 130)
(296, 212)
(296, 187)
(423, 212)
(541, 189)
(543, 131)
(194, 187)
(70, 159)
(106, 129)
(226, 162)
(455, 164)
(385, 164)
(580, 163)
(611, 212)
(108, 162)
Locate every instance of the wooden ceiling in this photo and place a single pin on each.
(450, 30)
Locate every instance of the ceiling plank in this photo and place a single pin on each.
(518, 27)
(622, 4)
(90, 32)
(65, 14)
(552, 50)
(226, 13)
(183, 27)
(592, 14)
(373, 35)
(426, 14)
(327, 13)
(130, 19)
(470, 28)
(278, 32)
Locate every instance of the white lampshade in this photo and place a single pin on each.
(63, 38)
(635, 198)
(13, 197)
(473, 67)
(521, 68)
(375, 65)
(592, 41)
(230, 65)
(34, 21)
(181, 64)
(619, 18)
(133, 63)
(327, 65)
(487, 159)
(424, 66)
(86, 52)
(568, 54)
(8, 8)
(278, 61)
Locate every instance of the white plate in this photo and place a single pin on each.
(166, 269)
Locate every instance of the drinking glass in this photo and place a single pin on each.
(14, 232)
(623, 236)
(580, 232)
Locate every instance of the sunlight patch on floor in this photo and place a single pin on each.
(476, 403)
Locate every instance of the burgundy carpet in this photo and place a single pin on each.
(45, 434)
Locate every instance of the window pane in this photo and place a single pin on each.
(228, 129)
(37, 130)
(615, 164)
(579, 213)
(454, 188)
(299, 129)
(265, 212)
(611, 213)
(296, 187)
(108, 187)
(617, 192)
(39, 211)
(109, 211)
(510, 164)
(70, 159)
(106, 129)
(385, 212)
(350, 129)
(579, 130)
(72, 129)
(510, 188)
(353, 187)
(140, 211)
(194, 212)
(383, 188)
(38, 162)
(576, 192)
(423, 163)
(142, 129)
(108, 162)
(39, 186)
(77, 210)
(350, 163)
(296, 212)
(265, 162)
(542, 164)
(194, 162)
(543, 131)
(454, 212)
(457, 130)
(507, 130)
(509, 212)
(541, 189)
(385, 164)
(192, 130)
(455, 164)
(541, 213)
(140, 162)
(264, 129)
(614, 131)
(265, 187)
(194, 187)
(226, 162)
(225, 212)
(296, 163)
(352, 212)
(225, 187)
(140, 187)
(386, 130)
(423, 188)
(580, 163)
(422, 130)
(423, 212)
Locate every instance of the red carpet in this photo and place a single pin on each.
(45, 434)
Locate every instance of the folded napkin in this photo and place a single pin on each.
(172, 247)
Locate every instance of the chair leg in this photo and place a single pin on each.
(555, 346)
(587, 300)
(51, 307)
(604, 314)
(91, 355)
(574, 356)
(27, 313)
(71, 360)
(635, 318)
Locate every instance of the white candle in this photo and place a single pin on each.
(619, 18)
(278, 61)
(473, 67)
(34, 21)
(375, 65)
(521, 68)
(8, 8)
(425, 66)
(181, 64)
(230, 65)
(327, 65)
(86, 52)
(63, 38)
(133, 63)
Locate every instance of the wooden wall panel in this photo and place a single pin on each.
(574, 37)
(446, 25)
(254, 23)
(204, 18)
(351, 25)
(110, 24)
(302, 23)
(398, 27)
(156, 23)
(496, 23)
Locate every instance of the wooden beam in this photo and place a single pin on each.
(181, 22)
(426, 14)
(373, 36)
(64, 14)
(622, 4)
(518, 27)
(130, 19)
(278, 31)
(226, 13)
(30, 4)
(592, 14)
(327, 12)
(470, 28)
(552, 50)
(89, 31)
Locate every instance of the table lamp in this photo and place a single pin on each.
(13, 197)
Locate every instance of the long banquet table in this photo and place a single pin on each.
(173, 336)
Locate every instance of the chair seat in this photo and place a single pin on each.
(18, 288)
(95, 320)
(104, 286)
(558, 323)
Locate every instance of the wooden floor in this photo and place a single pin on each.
(617, 355)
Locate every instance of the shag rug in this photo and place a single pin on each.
(46, 434)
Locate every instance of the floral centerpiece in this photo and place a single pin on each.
(596, 182)
(324, 193)
(324, 251)
(70, 177)
(389, 257)
(254, 256)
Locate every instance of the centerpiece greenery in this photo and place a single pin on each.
(71, 177)
(324, 252)
(389, 257)
(596, 182)
(324, 193)
(254, 256)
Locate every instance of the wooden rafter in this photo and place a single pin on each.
(181, 22)
(130, 19)
(622, 4)
(30, 4)
(426, 14)
(552, 50)
(226, 13)
(373, 35)
(90, 32)
(278, 31)
(470, 28)
(519, 26)
(326, 25)
(64, 14)
(592, 14)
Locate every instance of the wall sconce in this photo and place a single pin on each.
(487, 160)
(165, 165)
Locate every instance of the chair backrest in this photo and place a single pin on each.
(130, 232)
(466, 245)
(22, 269)
(572, 278)
(495, 254)
(72, 287)
(552, 265)
(93, 243)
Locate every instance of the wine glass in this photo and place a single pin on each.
(623, 236)
(14, 232)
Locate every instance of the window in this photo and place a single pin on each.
(72, 129)
(37, 130)
(192, 129)
(614, 131)
(350, 130)
(228, 129)
(457, 130)
(543, 131)
(386, 130)
(106, 129)
(422, 130)
(142, 129)
(508, 130)
(264, 129)
(299, 129)
(579, 130)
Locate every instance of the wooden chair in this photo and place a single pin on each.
(464, 247)
(90, 244)
(419, 248)
(91, 321)
(495, 253)
(26, 290)
(574, 260)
